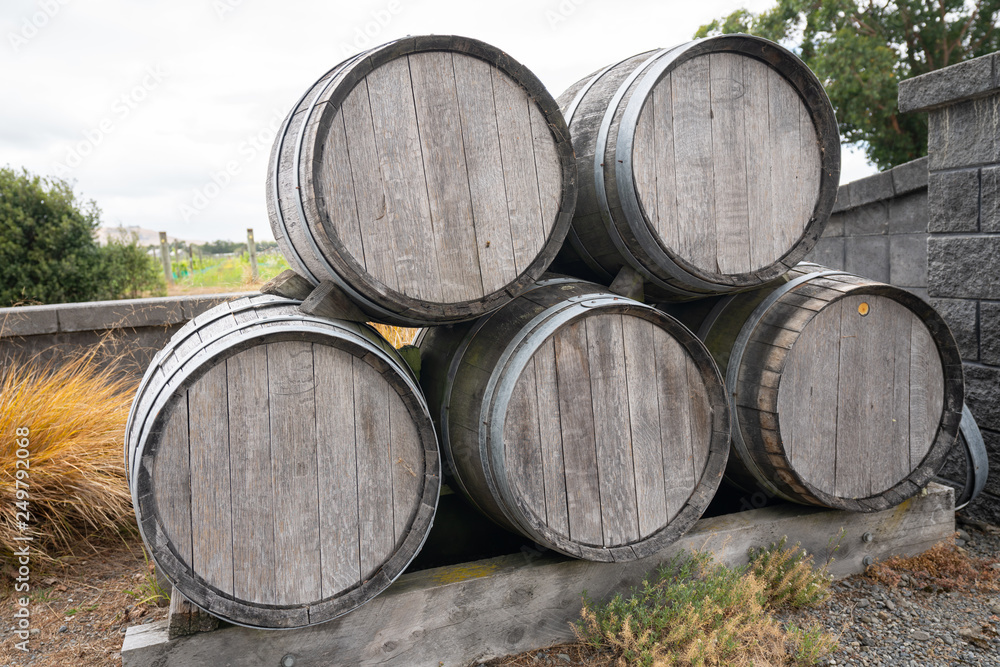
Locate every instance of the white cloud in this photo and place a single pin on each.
(231, 65)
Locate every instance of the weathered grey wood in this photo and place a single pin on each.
(452, 616)
(211, 499)
(519, 175)
(288, 284)
(172, 475)
(693, 154)
(411, 173)
(253, 516)
(644, 425)
(275, 435)
(328, 300)
(583, 495)
(551, 439)
(486, 181)
(337, 470)
(554, 423)
(675, 399)
(186, 619)
(375, 511)
(291, 387)
(718, 167)
(628, 283)
(432, 77)
(927, 391)
(728, 91)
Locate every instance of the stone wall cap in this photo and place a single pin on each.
(900, 180)
(957, 83)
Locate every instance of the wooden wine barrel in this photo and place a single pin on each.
(284, 469)
(592, 424)
(431, 178)
(710, 167)
(846, 393)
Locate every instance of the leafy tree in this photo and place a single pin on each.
(862, 49)
(48, 253)
(129, 270)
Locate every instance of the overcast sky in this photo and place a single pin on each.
(140, 102)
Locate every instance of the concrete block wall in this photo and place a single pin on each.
(129, 332)
(963, 233)
(879, 228)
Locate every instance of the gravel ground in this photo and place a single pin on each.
(905, 626)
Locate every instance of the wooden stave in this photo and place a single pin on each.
(276, 329)
(611, 234)
(738, 314)
(453, 355)
(327, 259)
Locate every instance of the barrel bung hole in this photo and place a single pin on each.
(863, 308)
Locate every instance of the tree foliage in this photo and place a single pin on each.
(48, 253)
(861, 50)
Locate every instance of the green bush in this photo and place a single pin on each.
(48, 253)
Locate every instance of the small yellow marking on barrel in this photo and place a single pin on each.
(863, 308)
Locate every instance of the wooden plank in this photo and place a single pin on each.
(522, 445)
(172, 480)
(481, 137)
(895, 462)
(810, 173)
(337, 473)
(211, 504)
(550, 437)
(644, 162)
(786, 167)
(609, 394)
(443, 152)
(729, 161)
(765, 241)
(252, 494)
(548, 170)
(644, 423)
(336, 184)
(451, 616)
(807, 400)
(693, 170)
(517, 153)
(375, 508)
(926, 391)
(701, 420)
(406, 457)
(184, 618)
(673, 392)
(408, 216)
(668, 224)
(583, 495)
(378, 242)
(883, 318)
(297, 541)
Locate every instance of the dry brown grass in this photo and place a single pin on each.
(397, 336)
(75, 413)
(944, 566)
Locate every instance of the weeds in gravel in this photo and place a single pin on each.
(149, 591)
(944, 567)
(61, 474)
(691, 611)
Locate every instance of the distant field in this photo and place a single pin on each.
(224, 274)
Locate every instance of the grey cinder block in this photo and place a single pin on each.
(867, 256)
(962, 318)
(989, 332)
(908, 214)
(964, 134)
(969, 79)
(953, 201)
(964, 266)
(908, 260)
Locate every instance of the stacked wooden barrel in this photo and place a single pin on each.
(284, 459)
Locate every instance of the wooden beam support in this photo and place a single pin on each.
(451, 616)
(289, 285)
(328, 300)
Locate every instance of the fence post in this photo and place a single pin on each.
(165, 256)
(252, 247)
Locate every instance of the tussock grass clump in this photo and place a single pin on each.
(75, 413)
(397, 336)
(943, 567)
(692, 611)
